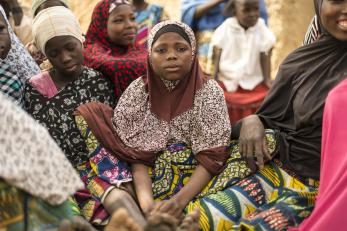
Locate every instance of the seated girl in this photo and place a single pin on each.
(173, 122)
(110, 44)
(16, 64)
(36, 7)
(281, 191)
(240, 56)
(52, 97)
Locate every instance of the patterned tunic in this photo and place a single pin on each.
(56, 113)
(206, 125)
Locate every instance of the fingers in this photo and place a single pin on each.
(258, 152)
(250, 156)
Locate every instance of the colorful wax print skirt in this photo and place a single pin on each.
(235, 199)
(101, 174)
(20, 211)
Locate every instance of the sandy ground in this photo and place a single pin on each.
(288, 20)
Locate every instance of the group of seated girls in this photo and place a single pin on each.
(142, 140)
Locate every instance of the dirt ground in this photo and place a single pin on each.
(288, 20)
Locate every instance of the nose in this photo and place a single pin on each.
(65, 57)
(171, 55)
(130, 24)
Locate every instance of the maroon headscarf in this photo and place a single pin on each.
(118, 63)
(167, 104)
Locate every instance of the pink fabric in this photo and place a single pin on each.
(44, 84)
(330, 209)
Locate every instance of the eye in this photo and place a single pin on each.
(182, 49)
(52, 54)
(133, 18)
(117, 20)
(71, 47)
(160, 50)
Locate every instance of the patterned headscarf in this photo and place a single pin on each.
(121, 64)
(31, 160)
(115, 3)
(17, 67)
(165, 103)
(37, 3)
(55, 21)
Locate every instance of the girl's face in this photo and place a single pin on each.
(121, 26)
(247, 12)
(5, 40)
(171, 57)
(48, 4)
(65, 54)
(334, 18)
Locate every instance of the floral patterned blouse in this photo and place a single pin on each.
(56, 113)
(206, 125)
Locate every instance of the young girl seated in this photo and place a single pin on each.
(52, 97)
(240, 54)
(110, 44)
(173, 122)
(36, 7)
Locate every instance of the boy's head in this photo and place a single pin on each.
(245, 11)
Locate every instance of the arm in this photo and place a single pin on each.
(143, 186)
(216, 55)
(203, 8)
(195, 185)
(265, 62)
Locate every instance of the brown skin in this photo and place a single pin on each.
(172, 60)
(252, 135)
(48, 4)
(65, 55)
(121, 26)
(333, 15)
(265, 61)
(247, 12)
(171, 57)
(5, 40)
(139, 5)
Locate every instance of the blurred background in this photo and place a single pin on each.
(288, 19)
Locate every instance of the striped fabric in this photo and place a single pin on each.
(313, 32)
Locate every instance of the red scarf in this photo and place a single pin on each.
(120, 64)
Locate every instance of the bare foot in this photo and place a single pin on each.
(76, 224)
(159, 221)
(121, 221)
(120, 199)
(190, 222)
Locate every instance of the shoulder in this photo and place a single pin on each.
(136, 90)
(210, 91)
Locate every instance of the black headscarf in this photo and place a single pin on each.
(295, 103)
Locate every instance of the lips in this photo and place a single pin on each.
(342, 24)
(129, 34)
(172, 68)
(71, 68)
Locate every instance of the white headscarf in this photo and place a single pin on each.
(20, 64)
(31, 160)
(55, 21)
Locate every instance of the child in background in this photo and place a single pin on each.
(239, 58)
(147, 16)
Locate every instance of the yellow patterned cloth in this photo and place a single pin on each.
(271, 199)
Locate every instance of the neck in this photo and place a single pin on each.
(61, 80)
